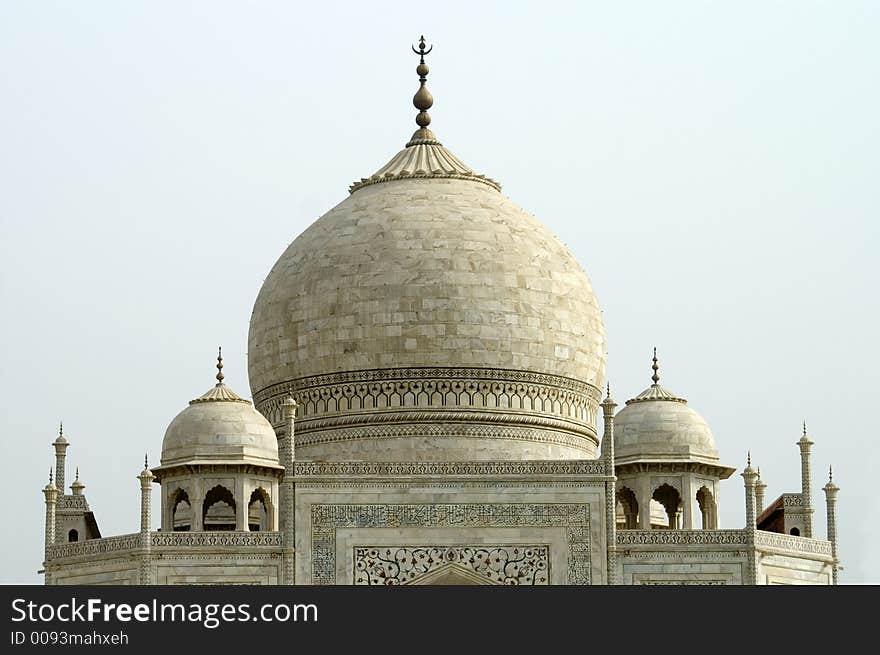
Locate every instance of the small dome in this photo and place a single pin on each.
(220, 427)
(658, 426)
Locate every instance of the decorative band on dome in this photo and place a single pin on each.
(424, 159)
(656, 392)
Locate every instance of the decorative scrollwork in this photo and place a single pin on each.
(503, 564)
(791, 543)
(681, 537)
(441, 389)
(574, 518)
(476, 468)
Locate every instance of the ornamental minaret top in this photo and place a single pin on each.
(422, 100)
(423, 157)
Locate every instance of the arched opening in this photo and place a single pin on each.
(628, 506)
(218, 510)
(670, 499)
(73, 535)
(708, 509)
(181, 512)
(794, 532)
(258, 510)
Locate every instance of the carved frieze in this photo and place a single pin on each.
(327, 519)
(497, 564)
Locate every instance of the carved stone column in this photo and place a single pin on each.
(831, 490)
(750, 475)
(760, 486)
(61, 446)
(804, 444)
(287, 509)
(608, 406)
(51, 494)
(146, 477)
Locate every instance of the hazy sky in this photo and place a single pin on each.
(712, 165)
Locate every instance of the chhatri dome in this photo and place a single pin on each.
(219, 427)
(659, 426)
(427, 316)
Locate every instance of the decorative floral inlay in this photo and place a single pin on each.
(507, 564)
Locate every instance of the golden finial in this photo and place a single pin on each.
(77, 474)
(829, 474)
(146, 466)
(655, 377)
(219, 366)
(805, 428)
(749, 459)
(60, 428)
(422, 100)
(50, 476)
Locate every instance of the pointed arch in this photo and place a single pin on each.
(181, 511)
(708, 508)
(218, 509)
(629, 507)
(260, 511)
(670, 498)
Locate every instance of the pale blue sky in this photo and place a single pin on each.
(712, 165)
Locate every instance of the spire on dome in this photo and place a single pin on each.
(219, 365)
(655, 377)
(424, 157)
(422, 100)
(60, 439)
(219, 392)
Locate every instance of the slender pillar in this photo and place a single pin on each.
(608, 406)
(51, 494)
(197, 503)
(760, 486)
(645, 495)
(61, 445)
(804, 444)
(750, 475)
(242, 523)
(831, 490)
(287, 513)
(146, 477)
(687, 502)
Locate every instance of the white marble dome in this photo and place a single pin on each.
(658, 426)
(219, 427)
(427, 316)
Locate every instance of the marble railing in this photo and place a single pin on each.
(128, 544)
(219, 539)
(106, 545)
(776, 541)
(762, 540)
(680, 537)
(72, 502)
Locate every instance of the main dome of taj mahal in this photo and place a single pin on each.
(426, 296)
